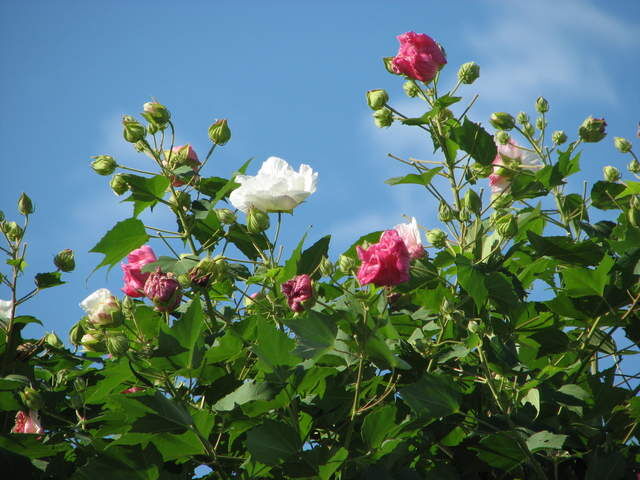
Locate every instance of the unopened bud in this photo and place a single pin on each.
(133, 131)
(634, 166)
(410, 88)
(592, 130)
(542, 106)
(481, 171)
(502, 121)
(522, 118)
(117, 345)
(326, 267)
(225, 216)
(13, 230)
(541, 123)
(118, 184)
(507, 226)
(383, 118)
(376, 99)
(93, 341)
(472, 201)
(468, 72)
(528, 129)
(502, 137)
(65, 260)
(437, 238)
(622, 144)
(163, 289)
(611, 174)
(25, 206)
(156, 113)
(346, 264)
(53, 340)
(559, 137)
(208, 270)
(76, 333)
(257, 221)
(503, 201)
(104, 165)
(31, 398)
(445, 212)
(219, 132)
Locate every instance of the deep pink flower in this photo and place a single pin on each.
(27, 422)
(299, 292)
(163, 290)
(134, 278)
(132, 390)
(384, 263)
(191, 161)
(419, 57)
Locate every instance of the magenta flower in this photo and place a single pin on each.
(163, 290)
(419, 57)
(384, 263)
(134, 278)
(299, 292)
(27, 423)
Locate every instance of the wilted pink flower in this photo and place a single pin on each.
(27, 422)
(513, 156)
(191, 161)
(419, 57)
(163, 290)
(384, 263)
(299, 292)
(410, 235)
(132, 390)
(134, 278)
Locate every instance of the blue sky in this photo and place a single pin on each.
(290, 76)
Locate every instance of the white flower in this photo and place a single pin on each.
(410, 235)
(5, 309)
(276, 187)
(95, 300)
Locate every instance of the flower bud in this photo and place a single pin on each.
(634, 166)
(104, 165)
(299, 293)
(445, 212)
(76, 333)
(156, 113)
(31, 398)
(181, 200)
(326, 267)
(257, 221)
(383, 118)
(528, 129)
(611, 174)
(118, 184)
(346, 264)
(502, 121)
(622, 144)
(410, 88)
(559, 137)
(163, 290)
(633, 215)
(93, 341)
(133, 131)
(208, 270)
(522, 118)
(502, 137)
(592, 130)
(65, 260)
(25, 206)
(53, 340)
(503, 201)
(507, 226)
(219, 132)
(468, 73)
(117, 345)
(542, 106)
(437, 238)
(481, 171)
(376, 99)
(541, 123)
(472, 201)
(225, 216)
(13, 230)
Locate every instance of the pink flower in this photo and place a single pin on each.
(384, 263)
(512, 156)
(410, 235)
(163, 290)
(419, 57)
(299, 292)
(27, 423)
(132, 390)
(134, 278)
(191, 160)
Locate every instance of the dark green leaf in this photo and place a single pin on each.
(432, 396)
(603, 195)
(312, 256)
(566, 249)
(379, 425)
(316, 333)
(474, 140)
(247, 392)
(48, 280)
(501, 450)
(472, 280)
(272, 442)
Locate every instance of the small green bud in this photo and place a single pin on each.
(468, 73)
(410, 88)
(383, 118)
(183, 280)
(464, 214)
(25, 206)
(481, 171)
(181, 200)
(93, 341)
(633, 215)
(634, 166)
(502, 121)
(472, 201)
(53, 340)
(592, 130)
(522, 118)
(542, 106)
(559, 137)
(635, 202)
(156, 113)
(208, 270)
(502, 137)
(445, 212)
(117, 345)
(257, 221)
(528, 129)
(104, 165)
(503, 201)
(133, 131)
(31, 398)
(622, 144)
(437, 238)
(13, 230)
(541, 123)
(346, 264)
(376, 99)
(225, 216)
(118, 184)
(65, 260)
(611, 174)
(76, 333)
(219, 132)
(326, 267)
(507, 226)
(152, 129)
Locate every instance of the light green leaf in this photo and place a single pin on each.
(247, 392)
(545, 439)
(118, 242)
(423, 178)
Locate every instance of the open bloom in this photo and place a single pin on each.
(276, 188)
(102, 308)
(419, 57)
(299, 292)
(511, 156)
(27, 422)
(163, 290)
(134, 278)
(384, 263)
(410, 235)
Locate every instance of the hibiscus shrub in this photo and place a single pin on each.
(221, 361)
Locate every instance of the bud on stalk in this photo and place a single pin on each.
(468, 73)
(437, 238)
(31, 398)
(410, 88)
(592, 130)
(156, 113)
(25, 206)
(559, 137)
(611, 174)
(65, 260)
(104, 165)
(445, 212)
(502, 121)
(622, 144)
(507, 226)
(117, 345)
(542, 106)
(634, 166)
(376, 99)
(346, 264)
(257, 221)
(383, 118)
(219, 132)
(133, 131)
(118, 184)
(472, 201)
(225, 216)
(502, 137)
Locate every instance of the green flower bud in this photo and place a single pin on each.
(542, 106)
(482, 171)
(410, 88)
(25, 206)
(502, 121)
(541, 123)
(592, 130)
(180, 199)
(104, 165)
(437, 238)
(507, 226)
(346, 264)
(156, 113)
(528, 129)
(76, 333)
(225, 216)
(183, 280)
(93, 341)
(31, 398)
(208, 270)
(445, 212)
(53, 340)
(464, 214)
(559, 137)
(522, 118)
(117, 345)
(383, 118)
(634, 166)
(65, 260)
(219, 132)
(468, 72)
(326, 267)
(503, 201)
(118, 184)
(13, 230)
(472, 201)
(257, 221)
(133, 131)
(502, 137)
(376, 99)
(622, 144)
(611, 174)
(633, 215)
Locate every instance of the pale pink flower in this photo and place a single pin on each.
(410, 235)
(27, 423)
